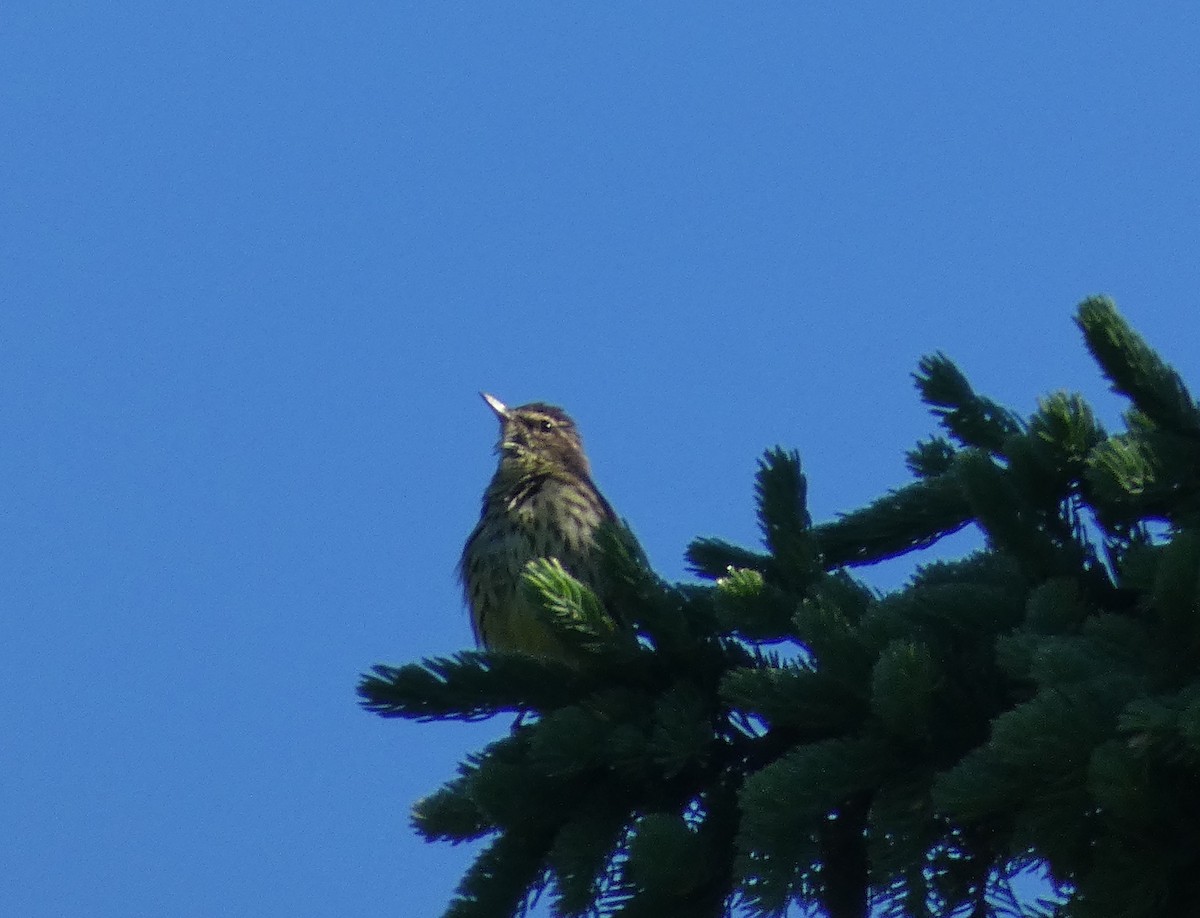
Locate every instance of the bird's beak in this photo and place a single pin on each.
(496, 405)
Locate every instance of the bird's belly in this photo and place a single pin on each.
(503, 615)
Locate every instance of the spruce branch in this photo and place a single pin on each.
(973, 420)
(1023, 706)
(470, 685)
(667, 857)
(1064, 431)
(503, 878)
(913, 517)
(1135, 370)
(930, 458)
(585, 858)
(1009, 521)
(781, 492)
(1176, 598)
(804, 703)
(450, 813)
(904, 683)
(568, 604)
(713, 558)
(750, 607)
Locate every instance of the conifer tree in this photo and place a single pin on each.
(781, 734)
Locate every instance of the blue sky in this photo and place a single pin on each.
(255, 262)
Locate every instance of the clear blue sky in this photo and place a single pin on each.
(255, 262)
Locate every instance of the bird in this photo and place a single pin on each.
(540, 503)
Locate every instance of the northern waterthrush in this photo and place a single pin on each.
(541, 503)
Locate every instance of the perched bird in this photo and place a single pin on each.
(541, 503)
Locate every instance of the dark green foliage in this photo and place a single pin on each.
(751, 608)
(784, 735)
(930, 458)
(668, 858)
(714, 558)
(912, 517)
(970, 419)
(501, 879)
(782, 490)
(802, 700)
(468, 686)
(904, 683)
(1136, 371)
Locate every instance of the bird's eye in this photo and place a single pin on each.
(547, 425)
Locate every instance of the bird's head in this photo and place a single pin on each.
(537, 438)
